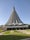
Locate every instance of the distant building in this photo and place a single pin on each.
(14, 22)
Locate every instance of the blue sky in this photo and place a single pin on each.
(22, 8)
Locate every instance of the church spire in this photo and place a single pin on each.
(13, 8)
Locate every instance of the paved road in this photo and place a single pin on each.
(26, 39)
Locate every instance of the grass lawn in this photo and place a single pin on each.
(13, 35)
(1, 31)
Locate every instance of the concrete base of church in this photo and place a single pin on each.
(15, 27)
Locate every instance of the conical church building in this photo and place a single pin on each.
(14, 22)
(14, 18)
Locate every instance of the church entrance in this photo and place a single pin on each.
(11, 28)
